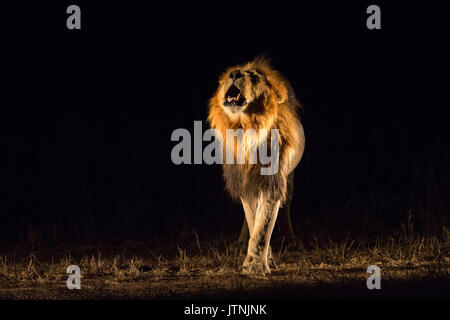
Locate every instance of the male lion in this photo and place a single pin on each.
(255, 96)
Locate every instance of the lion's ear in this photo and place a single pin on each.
(277, 85)
(281, 92)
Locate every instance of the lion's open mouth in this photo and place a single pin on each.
(234, 97)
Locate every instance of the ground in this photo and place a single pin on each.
(412, 266)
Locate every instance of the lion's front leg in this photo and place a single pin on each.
(265, 215)
(250, 208)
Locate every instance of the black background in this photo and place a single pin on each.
(87, 115)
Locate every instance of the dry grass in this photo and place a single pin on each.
(411, 264)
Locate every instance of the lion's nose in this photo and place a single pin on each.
(236, 74)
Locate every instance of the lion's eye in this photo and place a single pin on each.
(231, 75)
(253, 76)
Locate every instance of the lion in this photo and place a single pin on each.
(256, 96)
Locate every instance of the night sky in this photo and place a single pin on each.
(87, 115)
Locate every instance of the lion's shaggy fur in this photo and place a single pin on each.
(276, 108)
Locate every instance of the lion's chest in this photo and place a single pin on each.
(243, 147)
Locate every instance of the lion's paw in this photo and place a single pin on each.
(255, 267)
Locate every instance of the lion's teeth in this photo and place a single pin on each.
(237, 98)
